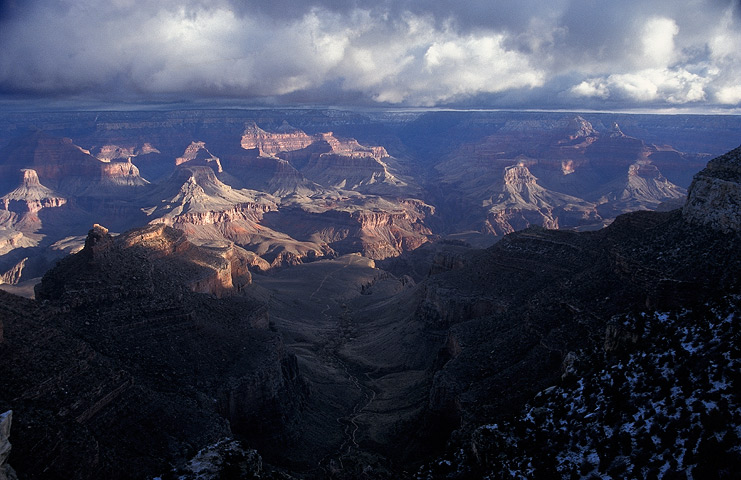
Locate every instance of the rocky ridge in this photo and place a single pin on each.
(148, 364)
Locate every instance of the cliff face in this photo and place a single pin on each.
(66, 167)
(377, 228)
(6, 471)
(12, 276)
(714, 198)
(269, 144)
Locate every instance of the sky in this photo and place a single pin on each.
(528, 54)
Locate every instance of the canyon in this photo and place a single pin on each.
(324, 294)
(296, 186)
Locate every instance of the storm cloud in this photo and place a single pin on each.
(532, 54)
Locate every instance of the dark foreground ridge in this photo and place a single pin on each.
(122, 366)
(551, 354)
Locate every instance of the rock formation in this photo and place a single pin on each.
(323, 159)
(193, 194)
(66, 167)
(522, 202)
(146, 369)
(6, 419)
(213, 213)
(267, 174)
(714, 197)
(20, 217)
(269, 144)
(21, 206)
(375, 227)
(644, 189)
(112, 153)
(12, 276)
(31, 195)
(197, 154)
(348, 165)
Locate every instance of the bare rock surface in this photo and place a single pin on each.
(6, 471)
(714, 198)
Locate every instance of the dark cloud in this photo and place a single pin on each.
(529, 54)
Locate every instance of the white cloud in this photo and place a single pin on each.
(730, 95)
(674, 86)
(591, 88)
(658, 41)
(418, 53)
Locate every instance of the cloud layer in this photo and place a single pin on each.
(415, 53)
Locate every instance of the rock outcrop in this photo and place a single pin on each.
(197, 154)
(522, 202)
(218, 272)
(271, 143)
(30, 196)
(145, 359)
(644, 188)
(714, 198)
(12, 276)
(225, 458)
(6, 419)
